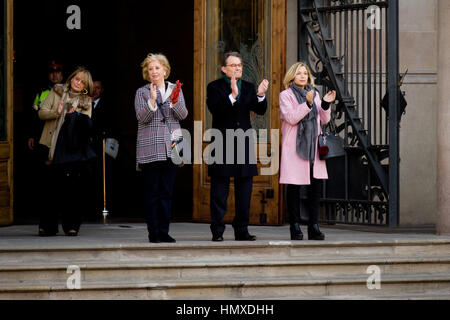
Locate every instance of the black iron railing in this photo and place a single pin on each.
(351, 46)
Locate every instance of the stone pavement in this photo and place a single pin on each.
(116, 261)
(25, 236)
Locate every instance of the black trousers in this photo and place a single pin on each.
(220, 187)
(66, 196)
(312, 201)
(159, 181)
(40, 180)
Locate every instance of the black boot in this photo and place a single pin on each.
(153, 239)
(314, 233)
(166, 238)
(296, 232)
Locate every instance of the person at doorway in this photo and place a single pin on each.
(302, 114)
(230, 101)
(159, 107)
(104, 120)
(37, 153)
(103, 114)
(35, 125)
(67, 131)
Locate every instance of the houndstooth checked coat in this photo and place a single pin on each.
(153, 137)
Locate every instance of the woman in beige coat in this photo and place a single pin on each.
(67, 177)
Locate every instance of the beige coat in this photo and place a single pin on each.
(48, 113)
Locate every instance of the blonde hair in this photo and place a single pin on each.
(155, 57)
(88, 83)
(290, 75)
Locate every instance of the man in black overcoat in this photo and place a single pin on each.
(230, 101)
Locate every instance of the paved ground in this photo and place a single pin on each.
(136, 234)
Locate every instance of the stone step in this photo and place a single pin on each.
(226, 251)
(150, 270)
(410, 296)
(350, 286)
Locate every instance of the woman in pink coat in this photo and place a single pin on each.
(302, 114)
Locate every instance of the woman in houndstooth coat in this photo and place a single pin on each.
(159, 107)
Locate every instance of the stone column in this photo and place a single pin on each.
(443, 121)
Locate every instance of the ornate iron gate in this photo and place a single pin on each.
(351, 46)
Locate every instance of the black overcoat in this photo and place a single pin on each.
(74, 143)
(227, 116)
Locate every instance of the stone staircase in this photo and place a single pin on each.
(409, 269)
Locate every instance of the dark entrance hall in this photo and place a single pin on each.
(114, 38)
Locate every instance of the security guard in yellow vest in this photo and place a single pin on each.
(40, 98)
(36, 171)
(55, 76)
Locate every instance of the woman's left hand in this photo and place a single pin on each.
(330, 96)
(72, 110)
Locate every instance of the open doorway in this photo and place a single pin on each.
(114, 38)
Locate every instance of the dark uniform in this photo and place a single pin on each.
(103, 118)
(232, 116)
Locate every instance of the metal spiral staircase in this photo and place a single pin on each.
(318, 46)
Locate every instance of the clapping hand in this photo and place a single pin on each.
(262, 89)
(234, 87)
(153, 94)
(176, 93)
(330, 96)
(310, 97)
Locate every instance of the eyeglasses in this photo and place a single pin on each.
(239, 65)
(79, 80)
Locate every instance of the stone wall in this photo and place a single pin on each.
(418, 149)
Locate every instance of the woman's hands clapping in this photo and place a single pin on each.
(329, 97)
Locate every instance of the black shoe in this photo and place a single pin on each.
(244, 237)
(217, 238)
(153, 239)
(43, 233)
(72, 233)
(296, 232)
(314, 233)
(166, 238)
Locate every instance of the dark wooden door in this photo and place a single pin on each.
(114, 38)
(257, 29)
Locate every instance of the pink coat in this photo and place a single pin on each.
(293, 169)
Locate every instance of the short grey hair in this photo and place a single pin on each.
(230, 54)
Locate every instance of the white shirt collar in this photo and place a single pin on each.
(168, 92)
(96, 102)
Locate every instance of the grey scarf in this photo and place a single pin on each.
(307, 127)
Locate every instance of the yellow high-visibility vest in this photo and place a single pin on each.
(40, 97)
